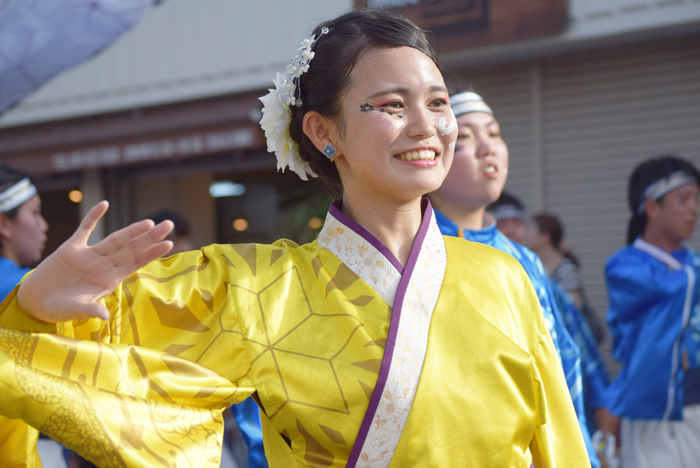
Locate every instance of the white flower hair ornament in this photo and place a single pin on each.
(277, 113)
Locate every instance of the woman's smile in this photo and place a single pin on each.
(420, 157)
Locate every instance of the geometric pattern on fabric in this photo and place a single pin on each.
(73, 419)
(297, 328)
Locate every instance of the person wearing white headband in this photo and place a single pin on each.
(476, 179)
(382, 343)
(654, 318)
(22, 239)
(511, 219)
(22, 228)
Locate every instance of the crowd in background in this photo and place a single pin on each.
(650, 287)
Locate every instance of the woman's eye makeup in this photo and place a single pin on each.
(392, 107)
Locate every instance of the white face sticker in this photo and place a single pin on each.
(445, 127)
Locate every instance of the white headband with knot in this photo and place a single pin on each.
(661, 187)
(16, 195)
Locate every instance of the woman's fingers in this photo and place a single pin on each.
(90, 310)
(144, 258)
(136, 246)
(120, 238)
(87, 225)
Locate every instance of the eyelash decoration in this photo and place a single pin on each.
(366, 107)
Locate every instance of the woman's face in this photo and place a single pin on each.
(514, 229)
(677, 212)
(480, 165)
(24, 237)
(398, 127)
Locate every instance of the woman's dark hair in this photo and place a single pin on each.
(642, 177)
(9, 176)
(181, 226)
(550, 224)
(323, 87)
(457, 83)
(507, 199)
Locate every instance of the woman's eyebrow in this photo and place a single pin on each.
(473, 125)
(403, 90)
(391, 90)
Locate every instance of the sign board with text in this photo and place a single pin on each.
(148, 150)
(464, 24)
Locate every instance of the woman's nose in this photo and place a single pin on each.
(421, 124)
(484, 147)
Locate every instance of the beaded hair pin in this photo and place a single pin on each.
(299, 66)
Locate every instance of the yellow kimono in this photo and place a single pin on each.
(353, 358)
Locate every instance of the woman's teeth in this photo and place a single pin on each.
(428, 155)
(490, 170)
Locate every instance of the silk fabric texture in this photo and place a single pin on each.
(17, 441)
(574, 360)
(305, 333)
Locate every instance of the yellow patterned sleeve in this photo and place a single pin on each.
(147, 387)
(179, 305)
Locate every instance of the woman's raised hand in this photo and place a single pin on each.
(69, 284)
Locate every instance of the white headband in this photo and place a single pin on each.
(468, 101)
(661, 187)
(16, 195)
(508, 211)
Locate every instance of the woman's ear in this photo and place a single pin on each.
(547, 237)
(320, 130)
(651, 208)
(5, 231)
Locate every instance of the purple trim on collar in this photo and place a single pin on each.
(393, 331)
(335, 210)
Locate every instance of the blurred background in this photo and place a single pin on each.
(164, 113)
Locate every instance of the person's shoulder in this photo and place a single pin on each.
(267, 255)
(631, 264)
(566, 271)
(529, 260)
(693, 256)
(8, 267)
(567, 265)
(481, 262)
(10, 272)
(497, 285)
(463, 250)
(626, 255)
(524, 255)
(10, 276)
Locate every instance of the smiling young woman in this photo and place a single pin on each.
(381, 343)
